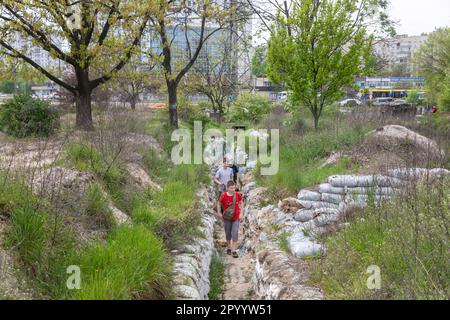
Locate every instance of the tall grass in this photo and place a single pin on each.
(216, 278)
(303, 150)
(132, 264)
(85, 157)
(171, 212)
(407, 238)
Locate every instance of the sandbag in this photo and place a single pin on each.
(328, 188)
(351, 181)
(301, 247)
(332, 198)
(308, 195)
(304, 215)
(317, 204)
(326, 219)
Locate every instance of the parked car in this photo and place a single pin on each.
(350, 103)
(380, 102)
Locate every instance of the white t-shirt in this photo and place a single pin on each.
(224, 175)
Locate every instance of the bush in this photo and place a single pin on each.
(249, 108)
(23, 116)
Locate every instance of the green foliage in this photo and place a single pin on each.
(170, 213)
(302, 151)
(249, 108)
(406, 237)
(433, 63)
(86, 157)
(259, 64)
(29, 234)
(322, 55)
(24, 116)
(283, 242)
(414, 98)
(216, 278)
(132, 264)
(97, 206)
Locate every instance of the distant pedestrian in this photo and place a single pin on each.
(223, 175)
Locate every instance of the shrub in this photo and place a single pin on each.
(23, 116)
(249, 107)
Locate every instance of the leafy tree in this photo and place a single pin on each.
(215, 76)
(87, 36)
(135, 79)
(196, 24)
(432, 61)
(325, 52)
(259, 64)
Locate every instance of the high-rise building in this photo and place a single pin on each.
(399, 50)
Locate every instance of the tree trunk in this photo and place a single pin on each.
(83, 101)
(316, 122)
(173, 113)
(84, 110)
(133, 102)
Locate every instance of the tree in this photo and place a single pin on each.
(372, 12)
(193, 24)
(327, 49)
(215, 76)
(259, 64)
(135, 79)
(432, 61)
(88, 36)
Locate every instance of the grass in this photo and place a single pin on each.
(171, 213)
(97, 206)
(132, 264)
(283, 242)
(407, 238)
(112, 173)
(216, 278)
(302, 152)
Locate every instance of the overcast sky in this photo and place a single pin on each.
(417, 16)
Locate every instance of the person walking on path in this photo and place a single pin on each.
(232, 201)
(223, 175)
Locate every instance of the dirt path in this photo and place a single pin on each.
(238, 271)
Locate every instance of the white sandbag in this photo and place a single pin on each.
(328, 188)
(301, 247)
(377, 190)
(438, 172)
(351, 181)
(317, 204)
(408, 173)
(326, 219)
(304, 215)
(332, 198)
(385, 181)
(308, 195)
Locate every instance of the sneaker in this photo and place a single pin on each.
(235, 254)
(229, 252)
